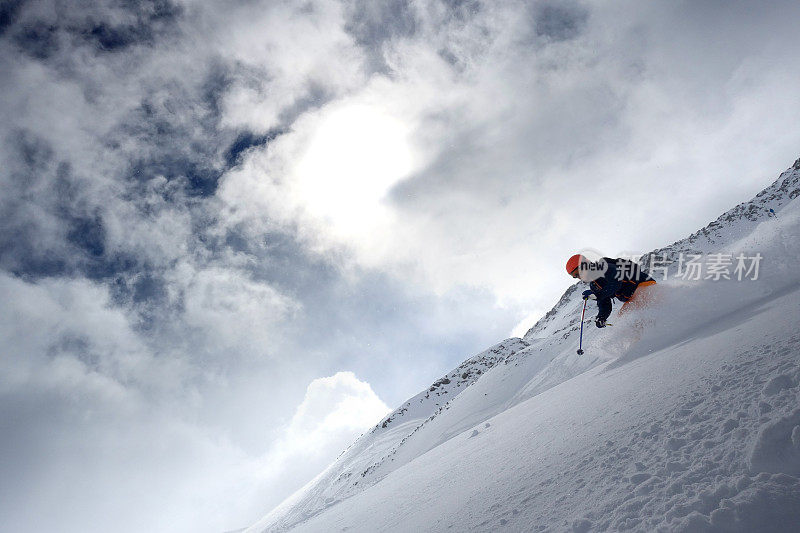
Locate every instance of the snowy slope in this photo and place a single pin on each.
(698, 437)
(517, 435)
(374, 454)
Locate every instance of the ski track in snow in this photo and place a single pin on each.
(659, 470)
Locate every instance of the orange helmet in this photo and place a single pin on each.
(573, 263)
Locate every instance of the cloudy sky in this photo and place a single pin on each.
(234, 234)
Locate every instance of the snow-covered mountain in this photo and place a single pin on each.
(693, 425)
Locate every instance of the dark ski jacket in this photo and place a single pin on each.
(619, 281)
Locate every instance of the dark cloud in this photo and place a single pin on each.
(179, 137)
(8, 13)
(374, 24)
(38, 39)
(281, 260)
(34, 153)
(51, 224)
(149, 19)
(25, 245)
(86, 232)
(48, 225)
(559, 21)
(462, 10)
(245, 141)
(111, 26)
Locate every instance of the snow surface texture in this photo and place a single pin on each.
(682, 417)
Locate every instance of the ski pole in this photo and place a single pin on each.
(580, 341)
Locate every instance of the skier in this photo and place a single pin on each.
(611, 278)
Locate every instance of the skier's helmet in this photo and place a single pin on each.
(573, 265)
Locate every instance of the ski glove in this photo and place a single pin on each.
(587, 294)
(600, 322)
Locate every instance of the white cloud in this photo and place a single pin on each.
(333, 413)
(288, 50)
(523, 147)
(356, 154)
(522, 327)
(62, 332)
(236, 315)
(101, 419)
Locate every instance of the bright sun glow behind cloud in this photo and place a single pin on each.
(354, 157)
